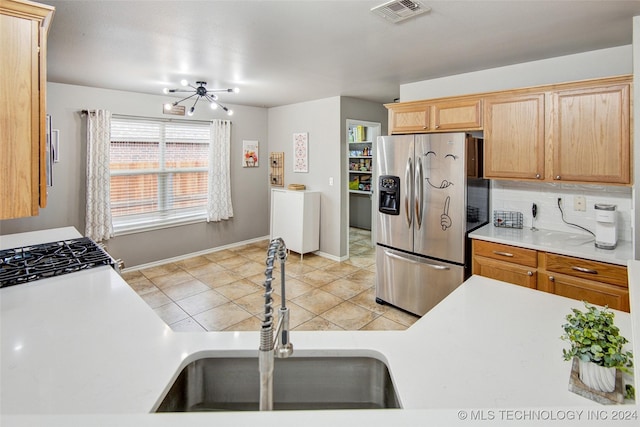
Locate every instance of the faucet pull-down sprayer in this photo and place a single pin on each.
(280, 346)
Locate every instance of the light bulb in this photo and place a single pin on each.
(168, 106)
(214, 106)
(165, 90)
(230, 112)
(183, 82)
(191, 110)
(236, 89)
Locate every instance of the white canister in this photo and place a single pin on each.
(606, 226)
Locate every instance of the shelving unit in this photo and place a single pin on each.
(360, 159)
(361, 171)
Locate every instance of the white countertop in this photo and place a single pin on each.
(84, 346)
(570, 244)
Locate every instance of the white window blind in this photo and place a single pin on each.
(158, 171)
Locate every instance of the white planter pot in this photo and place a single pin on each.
(597, 377)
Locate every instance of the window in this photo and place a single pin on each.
(158, 172)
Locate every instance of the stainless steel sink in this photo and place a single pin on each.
(303, 383)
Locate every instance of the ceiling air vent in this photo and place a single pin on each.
(399, 10)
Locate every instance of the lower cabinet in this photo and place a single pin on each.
(592, 281)
(596, 282)
(506, 263)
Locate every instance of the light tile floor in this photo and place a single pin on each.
(223, 290)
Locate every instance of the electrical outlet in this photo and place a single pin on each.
(579, 203)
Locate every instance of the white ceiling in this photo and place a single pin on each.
(283, 52)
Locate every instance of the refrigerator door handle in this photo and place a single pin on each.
(418, 192)
(401, 258)
(408, 175)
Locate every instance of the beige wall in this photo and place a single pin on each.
(325, 121)
(66, 198)
(321, 120)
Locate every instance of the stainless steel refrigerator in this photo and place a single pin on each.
(430, 194)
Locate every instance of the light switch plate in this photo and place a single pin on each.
(579, 203)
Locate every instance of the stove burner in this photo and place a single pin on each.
(29, 263)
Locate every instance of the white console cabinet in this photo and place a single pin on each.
(295, 217)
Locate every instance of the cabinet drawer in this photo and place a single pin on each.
(590, 270)
(585, 290)
(505, 271)
(505, 253)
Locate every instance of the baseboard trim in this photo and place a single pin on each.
(194, 254)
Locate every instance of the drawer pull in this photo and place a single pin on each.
(584, 270)
(552, 279)
(529, 273)
(503, 253)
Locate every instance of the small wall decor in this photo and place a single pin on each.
(300, 152)
(276, 169)
(249, 154)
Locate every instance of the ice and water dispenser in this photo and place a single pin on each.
(389, 194)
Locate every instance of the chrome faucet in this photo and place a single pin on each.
(280, 346)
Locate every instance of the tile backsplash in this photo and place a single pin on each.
(519, 196)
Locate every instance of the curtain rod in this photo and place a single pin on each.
(86, 112)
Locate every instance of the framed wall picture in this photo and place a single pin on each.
(301, 152)
(250, 154)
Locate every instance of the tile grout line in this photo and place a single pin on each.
(316, 266)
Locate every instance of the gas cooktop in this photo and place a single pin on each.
(29, 263)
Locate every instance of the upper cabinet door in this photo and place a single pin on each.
(514, 136)
(457, 115)
(19, 130)
(23, 30)
(591, 134)
(412, 117)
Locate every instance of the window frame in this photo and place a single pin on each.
(162, 217)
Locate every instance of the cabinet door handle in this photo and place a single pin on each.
(529, 273)
(437, 126)
(503, 253)
(557, 176)
(584, 270)
(552, 279)
(537, 176)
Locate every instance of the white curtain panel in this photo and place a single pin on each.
(219, 188)
(98, 223)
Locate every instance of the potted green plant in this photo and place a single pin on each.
(597, 344)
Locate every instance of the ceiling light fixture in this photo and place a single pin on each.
(199, 91)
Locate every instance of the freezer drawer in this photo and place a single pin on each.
(414, 283)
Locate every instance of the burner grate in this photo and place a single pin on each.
(29, 263)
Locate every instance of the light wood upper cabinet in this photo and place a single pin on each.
(23, 30)
(591, 134)
(435, 116)
(409, 117)
(457, 115)
(514, 136)
(569, 132)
